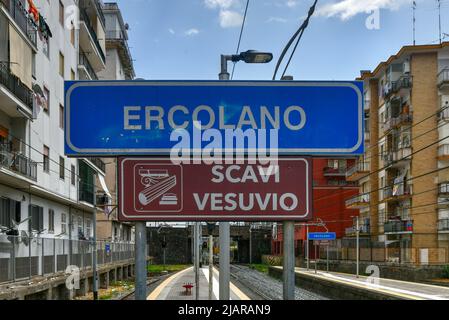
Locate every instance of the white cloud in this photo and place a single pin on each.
(191, 32)
(171, 31)
(277, 19)
(221, 4)
(346, 9)
(229, 19)
(229, 15)
(291, 3)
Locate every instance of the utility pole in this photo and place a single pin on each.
(307, 246)
(357, 245)
(94, 243)
(141, 261)
(250, 245)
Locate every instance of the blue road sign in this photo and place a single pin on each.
(148, 117)
(322, 236)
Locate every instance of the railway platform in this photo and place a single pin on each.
(174, 287)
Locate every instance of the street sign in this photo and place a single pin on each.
(155, 189)
(322, 236)
(123, 118)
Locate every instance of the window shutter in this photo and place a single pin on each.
(41, 218)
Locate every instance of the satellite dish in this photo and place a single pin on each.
(24, 238)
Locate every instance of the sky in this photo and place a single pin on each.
(183, 39)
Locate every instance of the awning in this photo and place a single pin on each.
(104, 186)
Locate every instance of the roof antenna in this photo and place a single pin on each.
(414, 21)
(439, 18)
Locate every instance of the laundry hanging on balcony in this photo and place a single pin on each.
(44, 29)
(398, 187)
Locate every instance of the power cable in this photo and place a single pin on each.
(300, 31)
(240, 37)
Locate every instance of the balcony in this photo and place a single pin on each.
(357, 202)
(334, 172)
(443, 78)
(367, 136)
(17, 162)
(443, 226)
(364, 230)
(398, 193)
(399, 158)
(13, 93)
(396, 122)
(443, 189)
(360, 170)
(443, 152)
(367, 105)
(85, 66)
(21, 18)
(97, 162)
(443, 115)
(404, 82)
(89, 42)
(398, 227)
(118, 40)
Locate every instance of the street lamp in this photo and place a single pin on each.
(250, 56)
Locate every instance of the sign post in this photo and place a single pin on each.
(321, 238)
(289, 260)
(141, 261)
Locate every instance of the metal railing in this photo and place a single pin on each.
(19, 13)
(394, 226)
(85, 17)
(443, 225)
(388, 192)
(443, 188)
(98, 163)
(404, 82)
(17, 162)
(25, 257)
(85, 63)
(330, 171)
(358, 167)
(443, 76)
(358, 199)
(13, 84)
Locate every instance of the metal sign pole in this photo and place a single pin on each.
(211, 266)
(197, 262)
(327, 256)
(224, 260)
(289, 260)
(358, 246)
(141, 263)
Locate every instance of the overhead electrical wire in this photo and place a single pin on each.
(298, 34)
(240, 36)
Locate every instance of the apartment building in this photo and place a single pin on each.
(119, 66)
(403, 176)
(330, 190)
(43, 194)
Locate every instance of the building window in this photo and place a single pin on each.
(61, 168)
(46, 159)
(72, 223)
(47, 100)
(61, 64)
(10, 210)
(61, 116)
(61, 13)
(33, 65)
(63, 223)
(46, 47)
(37, 218)
(73, 175)
(51, 220)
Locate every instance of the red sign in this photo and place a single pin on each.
(155, 189)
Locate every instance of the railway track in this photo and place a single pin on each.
(150, 287)
(266, 287)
